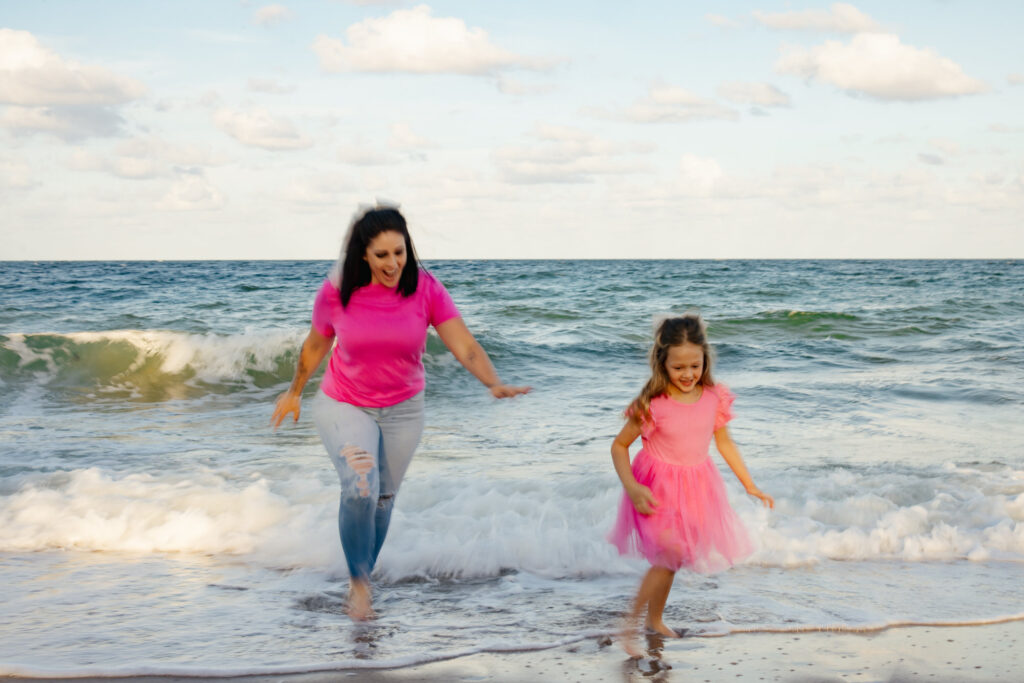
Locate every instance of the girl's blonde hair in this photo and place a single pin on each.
(689, 329)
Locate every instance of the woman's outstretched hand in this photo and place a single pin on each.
(506, 391)
(768, 501)
(286, 403)
(643, 500)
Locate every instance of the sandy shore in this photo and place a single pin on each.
(898, 655)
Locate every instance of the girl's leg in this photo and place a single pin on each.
(401, 427)
(353, 442)
(653, 592)
(652, 595)
(660, 586)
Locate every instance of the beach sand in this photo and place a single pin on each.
(961, 654)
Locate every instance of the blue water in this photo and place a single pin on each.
(150, 520)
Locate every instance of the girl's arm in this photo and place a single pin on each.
(731, 455)
(467, 350)
(641, 496)
(313, 351)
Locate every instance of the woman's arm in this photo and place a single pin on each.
(467, 350)
(731, 455)
(312, 354)
(643, 499)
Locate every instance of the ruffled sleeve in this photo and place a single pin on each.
(723, 413)
(646, 426)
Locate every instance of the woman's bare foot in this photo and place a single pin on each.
(661, 628)
(360, 601)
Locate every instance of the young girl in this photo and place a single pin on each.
(674, 510)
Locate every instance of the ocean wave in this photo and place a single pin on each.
(792, 324)
(859, 323)
(149, 364)
(466, 527)
(155, 365)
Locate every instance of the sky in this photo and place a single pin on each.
(238, 129)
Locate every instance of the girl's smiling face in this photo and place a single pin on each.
(684, 365)
(386, 257)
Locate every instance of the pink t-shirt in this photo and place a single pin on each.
(680, 433)
(378, 360)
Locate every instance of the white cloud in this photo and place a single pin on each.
(946, 146)
(49, 94)
(403, 137)
(413, 41)
(511, 86)
(15, 174)
(459, 186)
(145, 158)
(672, 104)
(31, 75)
(762, 94)
(895, 139)
(268, 85)
(68, 123)
(192, 192)
(360, 154)
(880, 66)
(271, 15)
(840, 18)
(832, 210)
(721, 21)
(209, 99)
(1003, 128)
(130, 167)
(319, 190)
(885, 198)
(566, 155)
(699, 175)
(1015, 79)
(258, 128)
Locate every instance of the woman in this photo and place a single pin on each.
(377, 303)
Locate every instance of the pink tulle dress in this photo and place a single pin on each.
(693, 526)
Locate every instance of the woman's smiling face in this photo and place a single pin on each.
(386, 257)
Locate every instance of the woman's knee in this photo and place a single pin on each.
(362, 464)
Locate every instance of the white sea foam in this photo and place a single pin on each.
(479, 526)
(89, 510)
(908, 516)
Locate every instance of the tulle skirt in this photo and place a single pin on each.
(694, 526)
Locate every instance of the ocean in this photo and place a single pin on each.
(152, 522)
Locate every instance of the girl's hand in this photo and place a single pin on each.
(768, 501)
(642, 498)
(286, 403)
(506, 391)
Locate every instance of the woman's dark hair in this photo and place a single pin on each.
(355, 272)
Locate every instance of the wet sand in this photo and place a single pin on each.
(962, 654)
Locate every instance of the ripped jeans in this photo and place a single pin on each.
(371, 449)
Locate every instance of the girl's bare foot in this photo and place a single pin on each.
(360, 601)
(661, 628)
(629, 638)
